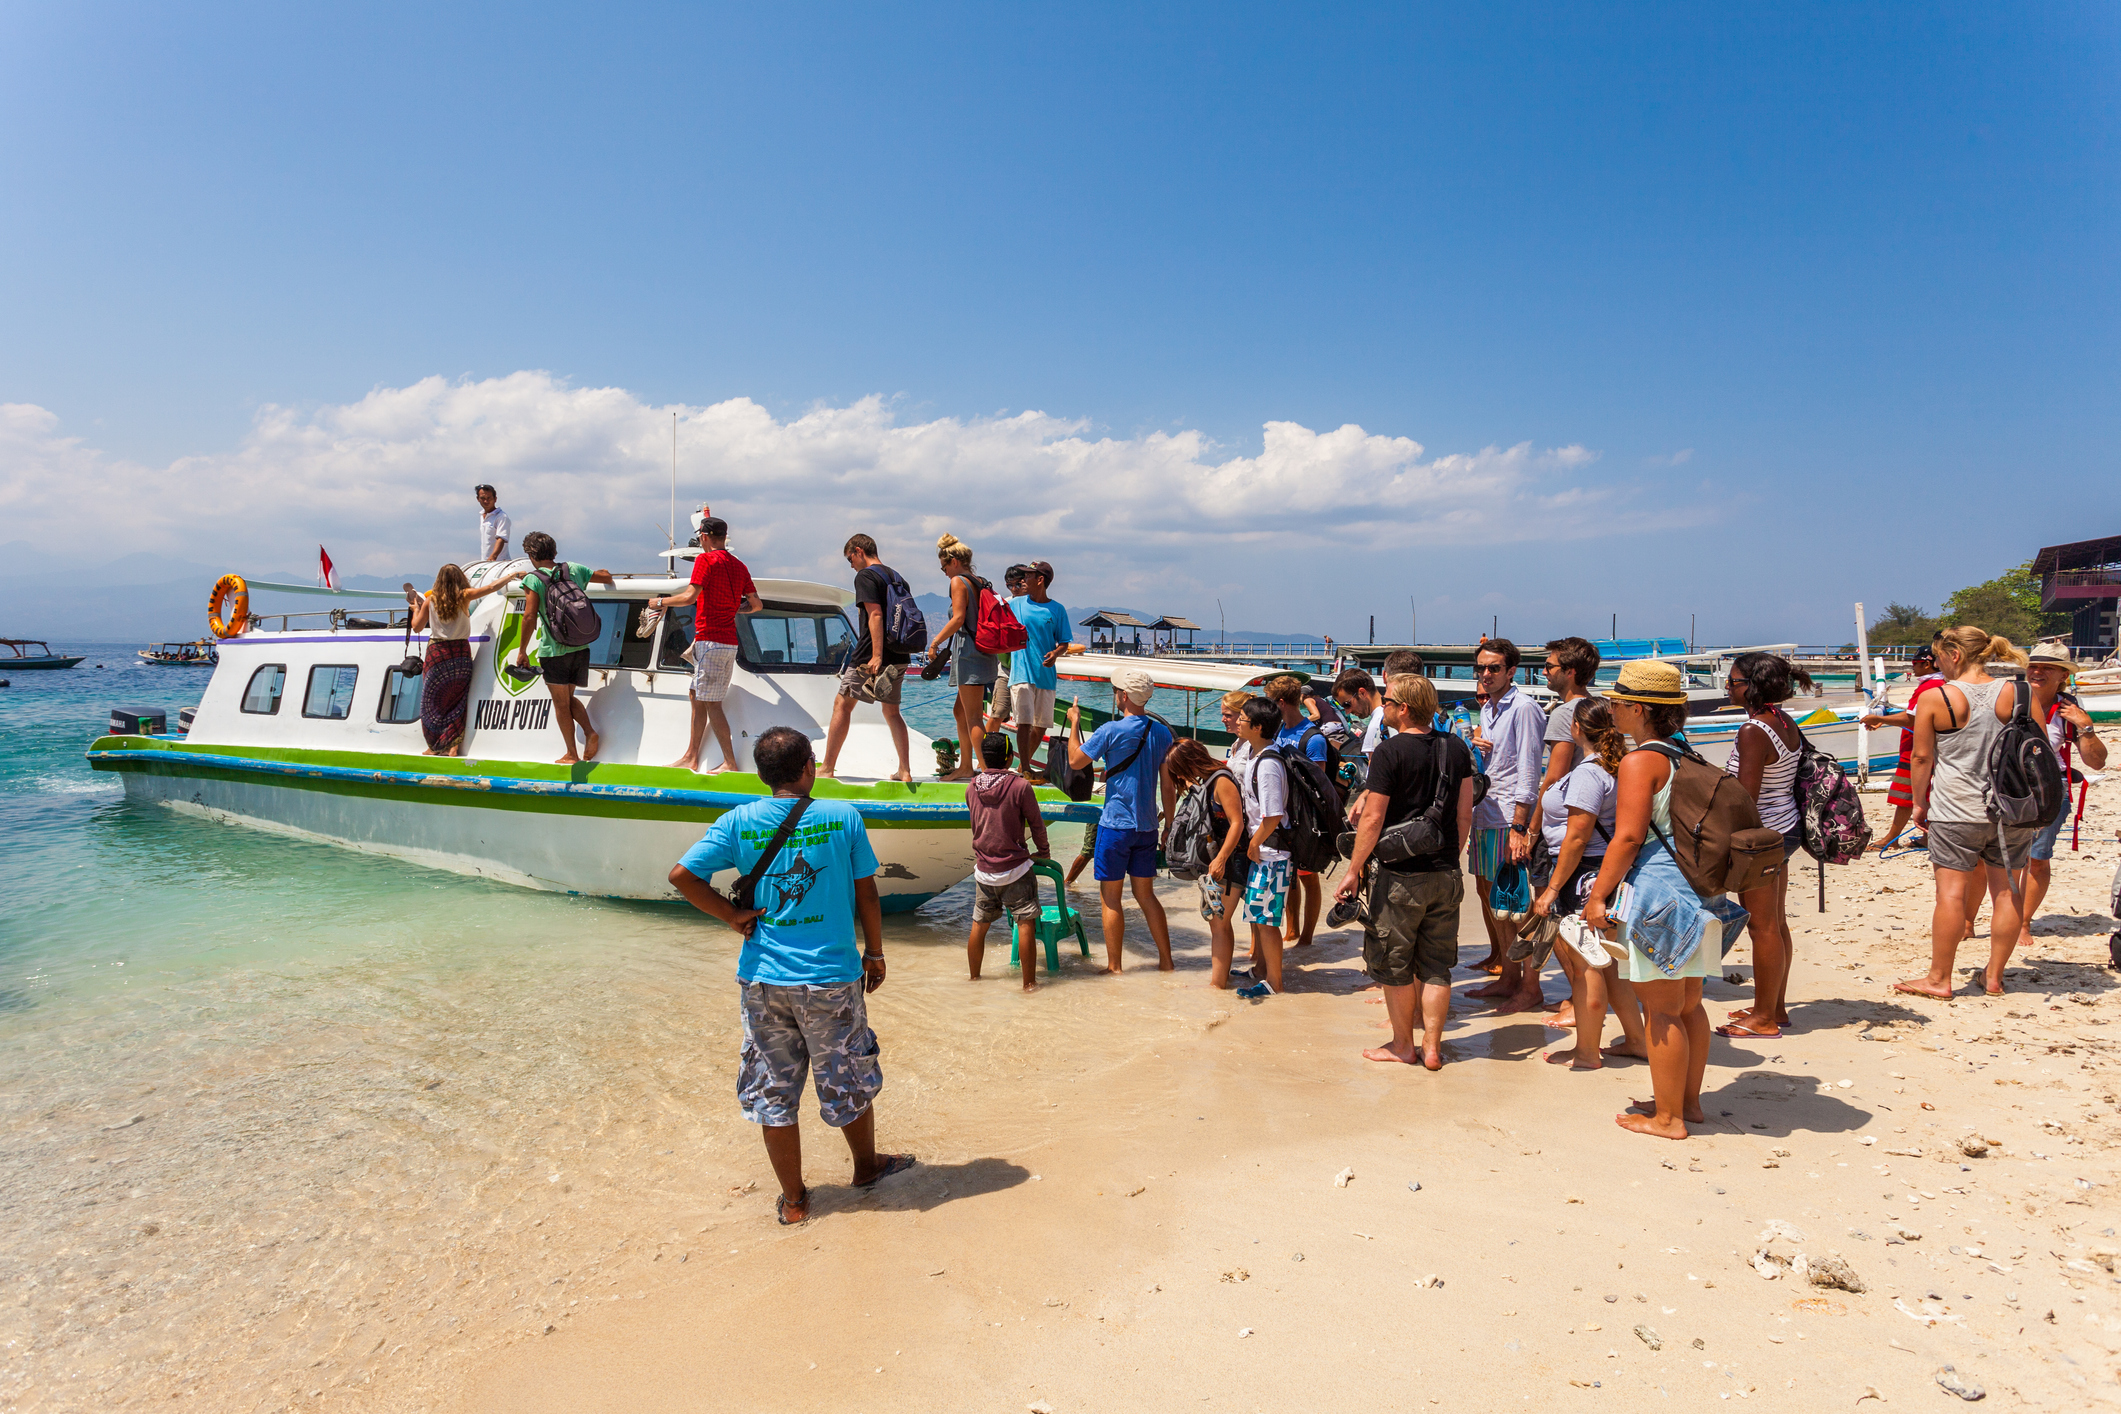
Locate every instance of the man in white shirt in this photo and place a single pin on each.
(1512, 733)
(494, 528)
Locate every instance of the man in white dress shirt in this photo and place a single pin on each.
(494, 528)
(1512, 733)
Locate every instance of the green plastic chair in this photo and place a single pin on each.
(1055, 921)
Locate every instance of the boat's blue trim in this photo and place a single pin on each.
(509, 785)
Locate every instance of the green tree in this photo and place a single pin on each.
(2008, 604)
(1900, 625)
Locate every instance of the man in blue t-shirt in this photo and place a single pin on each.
(1300, 734)
(802, 979)
(1133, 746)
(1033, 682)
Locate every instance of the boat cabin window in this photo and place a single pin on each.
(401, 698)
(262, 695)
(780, 638)
(331, 689)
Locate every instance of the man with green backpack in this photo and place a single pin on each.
(565, 623)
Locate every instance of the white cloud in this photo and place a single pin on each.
(385, 483)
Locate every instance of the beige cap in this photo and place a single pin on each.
(1137, 684)
(2051, 653)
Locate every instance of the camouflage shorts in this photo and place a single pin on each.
(822, 1029)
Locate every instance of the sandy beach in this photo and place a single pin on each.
(1127, 1198)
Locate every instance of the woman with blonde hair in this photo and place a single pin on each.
(971, 671)
(1955, 725)
(444, 614)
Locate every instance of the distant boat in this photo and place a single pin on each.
(196, 654)
(19, 656)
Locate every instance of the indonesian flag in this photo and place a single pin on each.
(331, 581)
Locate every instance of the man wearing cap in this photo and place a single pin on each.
(721, 589)
(494, 528)
(2069, 728)
(1132, 746)
(1923, 670)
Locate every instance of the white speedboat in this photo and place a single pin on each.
(309, 727)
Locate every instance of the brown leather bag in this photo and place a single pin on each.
(1717, 837)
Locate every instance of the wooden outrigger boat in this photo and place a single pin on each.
(19, 656)
(199, 653)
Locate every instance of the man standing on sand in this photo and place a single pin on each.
(1512, 730)
(1410, 944)
(802, 981)
(721, 589)
(1133, 746)
(566, 670)
(875, 671)
(1003, 807)
(494, 527)
(1033, 683)
(1300, 735)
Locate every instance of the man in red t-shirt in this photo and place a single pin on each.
(721, 589)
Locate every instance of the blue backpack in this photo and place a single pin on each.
(905, 626)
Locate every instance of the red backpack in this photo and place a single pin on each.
(994, 629)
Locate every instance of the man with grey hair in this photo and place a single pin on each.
(1132, 746)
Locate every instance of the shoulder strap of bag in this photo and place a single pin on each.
(746, 889)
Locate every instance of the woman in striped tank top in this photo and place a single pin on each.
(1764, 759)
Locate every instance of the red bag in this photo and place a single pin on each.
(994, 629)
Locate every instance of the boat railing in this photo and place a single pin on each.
(336, 620)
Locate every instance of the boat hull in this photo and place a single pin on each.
(561, 831)
(37, 664)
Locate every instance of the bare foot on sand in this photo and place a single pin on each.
(1573, 1062)
(1519, 1001)
(1626, 1048)
(1493, 989)
(1562, 1023)
(1647, 1124)
(1432, 1058)
(1747, 1029)
(1923, 987)
(1696, 1115)
(1386, 1053)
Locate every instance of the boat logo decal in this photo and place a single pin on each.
(504, 652)
(499, 714)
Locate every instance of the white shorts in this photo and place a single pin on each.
(1031, 706)
(712, 663)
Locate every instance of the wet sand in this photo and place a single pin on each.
(524, 1185)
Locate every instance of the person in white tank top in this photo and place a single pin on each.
(1764, 759)
(1954, 726)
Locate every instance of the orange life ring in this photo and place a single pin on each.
(227, 586)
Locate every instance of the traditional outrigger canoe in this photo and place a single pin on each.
(310, 727)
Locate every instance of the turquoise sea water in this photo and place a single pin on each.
(224, 1052)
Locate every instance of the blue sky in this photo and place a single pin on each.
(1832, 285)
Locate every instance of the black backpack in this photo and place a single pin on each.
(2025, 781)
(1303, 745)
(567, 612)
(1310, 825)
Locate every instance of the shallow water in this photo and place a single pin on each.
(278, 1117)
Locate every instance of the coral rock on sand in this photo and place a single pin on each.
(1958, 1384)
(1343, 1178)
(1834, 1272)
(1649, 1337)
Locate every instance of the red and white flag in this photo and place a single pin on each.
(331, 581)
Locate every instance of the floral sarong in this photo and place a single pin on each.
(445, 682)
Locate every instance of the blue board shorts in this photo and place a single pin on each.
(1124, 854)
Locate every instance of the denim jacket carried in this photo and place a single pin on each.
(1666, 919)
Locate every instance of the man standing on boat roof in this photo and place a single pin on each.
(875, 670)
(803, 982)
(1033, 682)
(721, 589)
(494, 526)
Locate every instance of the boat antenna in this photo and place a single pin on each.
(672, 532)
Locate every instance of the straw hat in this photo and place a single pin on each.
(1650, 681)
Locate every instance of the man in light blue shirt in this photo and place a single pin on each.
(1033, 682)
(1133, 746)
(803, 981)
(1512, 734)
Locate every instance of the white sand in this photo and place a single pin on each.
(1090, 1235)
